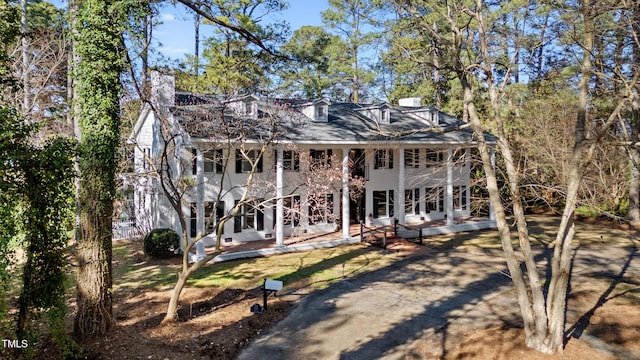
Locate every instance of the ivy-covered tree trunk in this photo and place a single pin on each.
(98, 47)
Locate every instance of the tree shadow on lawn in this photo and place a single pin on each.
(230, 296)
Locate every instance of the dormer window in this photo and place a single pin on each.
(378, 113)
(250, 106)
(384, 115)
(317, 110)
(321, 111)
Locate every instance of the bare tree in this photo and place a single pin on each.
(468, 43)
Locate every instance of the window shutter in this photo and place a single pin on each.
(416, 200)
(329, 154)
(219, 161)
(296, 161)
(260, 217)
(390, 158)
(375, 206)
(238, 161)
(193, 221)
(237, 220)
(194, 162)
(259, 165)
(391, 203)
(376, 159)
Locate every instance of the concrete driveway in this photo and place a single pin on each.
(381, 314)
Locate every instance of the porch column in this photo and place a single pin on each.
(345, 193)
(199, 200)
(492, 215)
(449, 193)
(401, 186)
(279, 200)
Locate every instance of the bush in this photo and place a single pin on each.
(161, 243)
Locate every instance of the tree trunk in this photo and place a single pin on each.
(26, 63)
(97, 43)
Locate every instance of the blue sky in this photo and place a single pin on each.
(176, 34)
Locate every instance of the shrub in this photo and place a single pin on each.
(161, 243)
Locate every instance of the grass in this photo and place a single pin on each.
(317, 268)
(542, 231)
(321, 267)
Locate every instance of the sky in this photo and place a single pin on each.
(175, 36)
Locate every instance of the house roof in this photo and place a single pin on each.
(206, 117)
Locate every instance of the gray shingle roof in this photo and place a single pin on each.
(200, 116)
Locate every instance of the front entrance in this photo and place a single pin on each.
(357, 203)
(356, 209)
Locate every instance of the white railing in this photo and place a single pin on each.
(124, 230)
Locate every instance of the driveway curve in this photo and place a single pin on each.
(382, 313)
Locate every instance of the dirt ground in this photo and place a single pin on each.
(218, 324)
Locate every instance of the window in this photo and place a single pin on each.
(250, 216)
(459, 157)
(383, 203)
(412, 201)
(209, 222)
(321, 112)
(434, 157)
(411, 158)
(321, 209)
(245, 163)
(251, 108)
(384, 115)
(435, 199)
(291, 206)
(290, 160)
(213, 161)
(320, 157)
(383, 159)
(193, 223)
(146, 158)
(460, 197)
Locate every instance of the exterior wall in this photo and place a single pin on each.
(383, 179)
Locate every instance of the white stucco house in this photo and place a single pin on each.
(412, 161)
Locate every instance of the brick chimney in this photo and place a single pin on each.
(163, 88)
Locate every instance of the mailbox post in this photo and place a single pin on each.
(268, 287)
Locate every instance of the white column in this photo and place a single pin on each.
(345, 193)
(199, 200)
(401, 186)
(449, 192)
(279, 201)
(492, 215)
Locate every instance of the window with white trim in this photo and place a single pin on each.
(412, 201)
(460, 197)
(383, 159)
(383, 203)
(290, 160)
(210, 222)
(435, 157)
(434, 197)
(213, 161)
(321, 209)
(250, 216)
(459, 157)
(245, 163)
(320, 158)
(412, 158)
